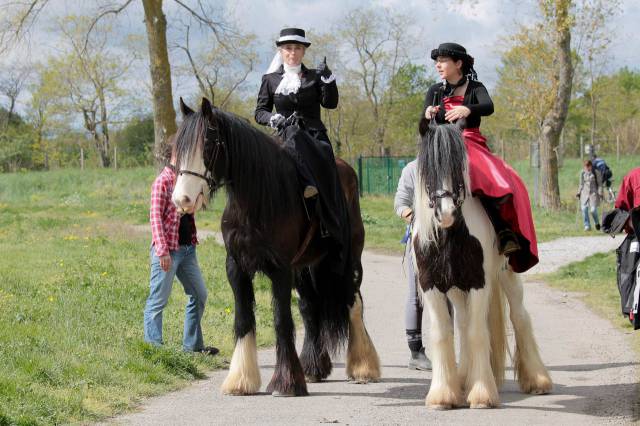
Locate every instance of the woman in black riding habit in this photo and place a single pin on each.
(461, 97)
(292, 87)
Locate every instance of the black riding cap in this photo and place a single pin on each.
(453, 51)
(293, 35)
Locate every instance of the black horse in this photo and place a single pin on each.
(266, 228)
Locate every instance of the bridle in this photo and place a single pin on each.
(445, 193)
(214, 184)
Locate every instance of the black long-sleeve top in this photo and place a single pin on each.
(312, 94)
(476, 98)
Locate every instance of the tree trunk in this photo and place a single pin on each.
(554, 120)
(164, 115)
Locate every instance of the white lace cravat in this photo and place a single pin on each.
(290, 80)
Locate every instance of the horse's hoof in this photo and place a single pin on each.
(313, 379)
(279, 394)
(440, 407)
(480, 406)
(540, 384)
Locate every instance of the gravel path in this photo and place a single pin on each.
(590, 361)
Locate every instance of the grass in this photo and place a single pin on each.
(74, 281)
(594, 280)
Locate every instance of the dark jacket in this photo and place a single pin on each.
(312, 94)
(476, 98)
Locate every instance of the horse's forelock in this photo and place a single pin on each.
(442, 158)
(190, 137)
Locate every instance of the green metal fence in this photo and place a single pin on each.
(379, 175)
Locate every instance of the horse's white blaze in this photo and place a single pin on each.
(363, 364)
(531, 372)
(445, 391)
(447, 212)
(188, 192)
(244, 373)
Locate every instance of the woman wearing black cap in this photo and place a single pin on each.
(291, 87)
(460, 96)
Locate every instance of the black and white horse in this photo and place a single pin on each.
(457, 258)
(267, 229)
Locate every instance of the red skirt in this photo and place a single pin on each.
(491, 177)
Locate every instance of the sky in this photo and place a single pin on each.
(480, 25)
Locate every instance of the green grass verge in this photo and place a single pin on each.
(74, 281)
(594, 281)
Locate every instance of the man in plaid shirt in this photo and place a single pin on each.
(173, 253)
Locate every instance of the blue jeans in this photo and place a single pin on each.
(585, 215)
(184, 265)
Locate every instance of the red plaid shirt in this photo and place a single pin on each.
(165, 220)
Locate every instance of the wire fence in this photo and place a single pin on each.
(380, 175)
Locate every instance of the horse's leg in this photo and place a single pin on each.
(363, 364)
(314, 357)
(244, 373)
(480, 383)
(459, 300)
(288, 377)
(444, 392)
(530, 371)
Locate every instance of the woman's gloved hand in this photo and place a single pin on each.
(276, 121)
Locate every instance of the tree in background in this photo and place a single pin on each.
(18, 18)
(218, 73)
(378, 39)
(13, 79)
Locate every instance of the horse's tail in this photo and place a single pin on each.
(497, 330)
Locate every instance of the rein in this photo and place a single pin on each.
(213, 184)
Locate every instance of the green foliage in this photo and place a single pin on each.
(135, 142)
(16, 143)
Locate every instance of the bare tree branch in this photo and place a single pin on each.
(100, 16)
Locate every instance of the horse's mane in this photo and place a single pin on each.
(442, 160)
(262, 177)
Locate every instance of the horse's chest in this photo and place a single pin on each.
(454, 260)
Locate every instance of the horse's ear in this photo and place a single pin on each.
(206, 108)
(186, 111)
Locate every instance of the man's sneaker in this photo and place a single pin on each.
(310, 191)
(419, 361)
(209, 350)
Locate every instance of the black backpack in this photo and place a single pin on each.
(606, 173)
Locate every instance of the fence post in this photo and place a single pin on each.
(388, 174)
(81, 158)
(581, 148)
(360, 174)
(115, 157)
(617, 149)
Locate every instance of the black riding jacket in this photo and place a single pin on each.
(312, 94)
(476, 98)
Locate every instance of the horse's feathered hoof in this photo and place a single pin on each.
(313, 379)
(443, 398)
(538, 384)
(279, 394)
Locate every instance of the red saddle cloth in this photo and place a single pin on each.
(491, 177)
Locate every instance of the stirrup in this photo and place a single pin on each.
(310, 191)
(507, 242)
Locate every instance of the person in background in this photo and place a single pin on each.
(403, 205)
(173, 253)
(589, 194)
